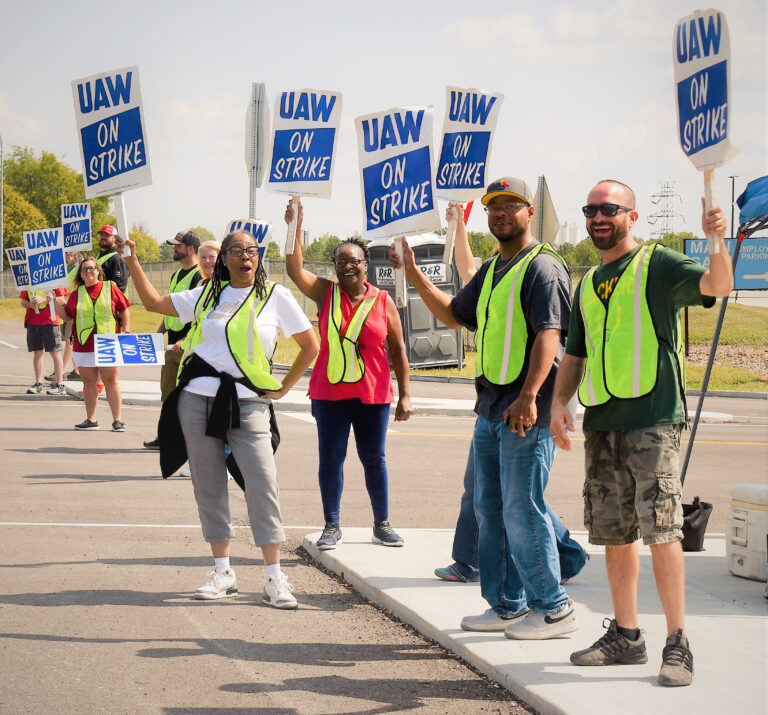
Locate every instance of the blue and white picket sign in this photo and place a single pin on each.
(46, 263)
(305, 132)
(468, 127)
(17, 260)
(702, 62)
(397, 172)
(260, 230)
(113, 138)
(114, 350)
(751, 268)
(76, 224)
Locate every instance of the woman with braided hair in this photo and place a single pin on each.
(224, 394)
(351, 385)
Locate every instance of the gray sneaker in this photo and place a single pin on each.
(56, 390)
(491, 620)
(330, 538)
(677, 661)
(612, 649)
(36, 389)
(385, 535)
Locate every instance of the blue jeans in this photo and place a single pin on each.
(334, 418)
(570, 553)
(511, 473)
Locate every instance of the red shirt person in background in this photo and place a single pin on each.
(43, 335)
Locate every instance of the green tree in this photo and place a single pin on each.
(47, 183)
(147, 248)
(18, 216)
(321, 249)
(273, 251)
(676, 241)
(481, 244)
(203, 233)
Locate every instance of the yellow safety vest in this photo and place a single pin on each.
(177, 286)
(502, 333)
(105, 257)
(96, 314)
(71, 274)
(345, 364)
(622, 346)
(242, 333)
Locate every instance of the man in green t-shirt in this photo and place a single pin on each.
(623, 354)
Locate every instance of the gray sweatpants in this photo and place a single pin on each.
(252, 447)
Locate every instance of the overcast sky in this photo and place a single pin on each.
(588, 87)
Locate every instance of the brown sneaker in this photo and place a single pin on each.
(677, 661)
(612, 649)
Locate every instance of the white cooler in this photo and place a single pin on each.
(746, 531)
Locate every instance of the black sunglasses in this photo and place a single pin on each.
(609, 210)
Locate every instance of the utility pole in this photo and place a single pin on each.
(665, 215)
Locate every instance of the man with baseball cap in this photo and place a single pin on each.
(185, 245)
(109, 259)
(519, 305)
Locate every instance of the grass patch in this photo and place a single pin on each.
(742, 325)
(725, 377)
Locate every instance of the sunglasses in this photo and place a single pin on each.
(608, 210)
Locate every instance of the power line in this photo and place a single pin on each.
(665, 215)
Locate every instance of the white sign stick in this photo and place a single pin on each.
(290, 239)
(122, 221)
(450, 231)
(401, 293)
(713, 245)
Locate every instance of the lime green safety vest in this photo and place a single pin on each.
(242, 333)
(72, 273)
(176, 286)
(92, 314)
(622, 346)
(345, 364)
(101, 259)
(502, 333)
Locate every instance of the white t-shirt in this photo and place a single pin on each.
(281, 312)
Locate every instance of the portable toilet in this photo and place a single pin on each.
(746, 546)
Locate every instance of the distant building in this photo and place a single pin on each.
(568, 233)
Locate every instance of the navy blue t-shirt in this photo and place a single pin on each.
(546, 299)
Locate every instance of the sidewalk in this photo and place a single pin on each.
(147, 392)
(727, 623)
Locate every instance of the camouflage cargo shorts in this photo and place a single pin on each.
(632, 486)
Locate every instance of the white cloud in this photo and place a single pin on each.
(16, 127)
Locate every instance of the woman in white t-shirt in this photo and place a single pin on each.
(224, 394)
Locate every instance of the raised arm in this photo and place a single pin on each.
(400, 365)
(717, 282)
(308, 283)
(462, 251)
(150, 298)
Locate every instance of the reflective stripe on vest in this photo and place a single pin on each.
(91, 314)
(177, 286)
(622, 347)
(502, 333)
(242, 333)
(345, 364)
(101, 260)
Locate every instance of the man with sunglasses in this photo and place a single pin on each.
(624, 356)
(519, 304)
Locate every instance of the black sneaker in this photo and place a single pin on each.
(384, 534)
(612, 649)
(50, 378)
(677, 661)
(73, 376)
(36, 389)
(330, 538)
(87, 425)
(118, 426)
(152, 444)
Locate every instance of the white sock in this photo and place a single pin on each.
(221, 563)
(273, 570)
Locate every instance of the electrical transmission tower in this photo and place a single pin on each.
(665, 215)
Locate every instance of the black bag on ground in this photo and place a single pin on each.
(695, 518)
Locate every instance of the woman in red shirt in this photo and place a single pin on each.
(97, 306)
(351, 385)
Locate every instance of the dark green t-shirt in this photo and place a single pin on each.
(673, 283)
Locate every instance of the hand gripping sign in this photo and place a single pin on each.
(397, 177)
(17, 260)
(76, 224)
(702, 62)
(260, 230)
(114, 350)
(303, 148)
(470, 121)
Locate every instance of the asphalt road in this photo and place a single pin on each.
(99, 556)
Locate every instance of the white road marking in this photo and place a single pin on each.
(9, 345)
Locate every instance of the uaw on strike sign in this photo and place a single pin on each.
(110, 122)
(115, 349)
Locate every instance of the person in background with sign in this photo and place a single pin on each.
(44, 335)
(571, 555)
(517, 355)
(224, 395)
(97, 306)
(633, 388)
(111, 262)
(185, 245)
(351, 384)
(73, 258)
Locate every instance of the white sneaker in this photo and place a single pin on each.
(218, 585)
(539, 625)
(278, 592)
(490, 620)
(185, 471)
